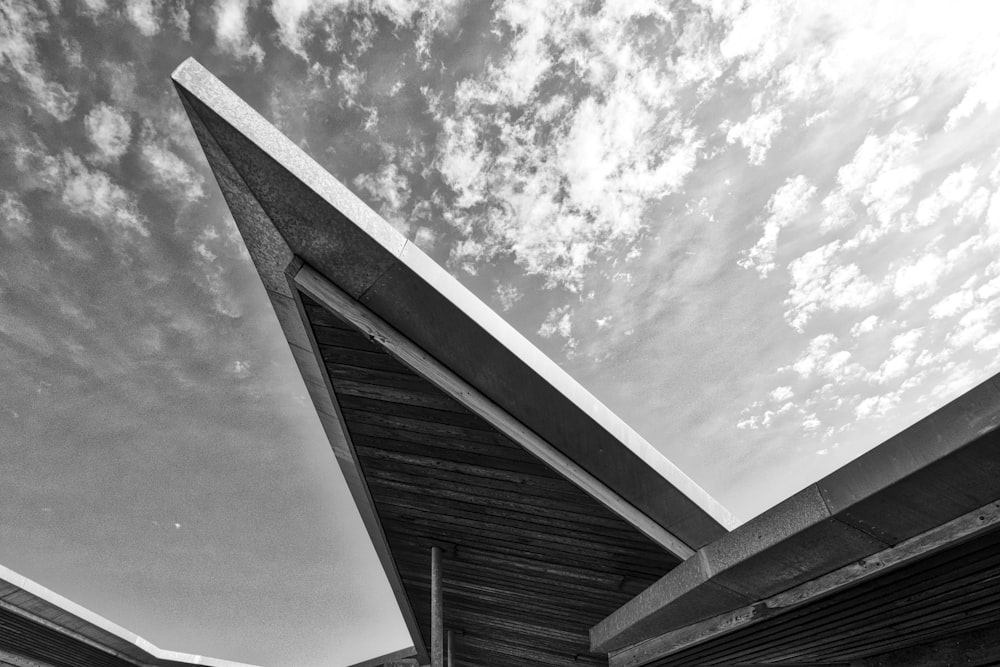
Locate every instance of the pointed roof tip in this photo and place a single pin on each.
(186, 68)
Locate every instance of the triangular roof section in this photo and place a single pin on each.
(344, 282)
(292, 207)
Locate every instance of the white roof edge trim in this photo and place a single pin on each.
(81, 612)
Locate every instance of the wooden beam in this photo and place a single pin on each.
(437, 619)
(965, 527)
(330, 296)
(451, 649)
(317, 380)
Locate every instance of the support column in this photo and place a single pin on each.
(437, 618)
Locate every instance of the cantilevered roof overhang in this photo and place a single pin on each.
(39, 628)
(894, 559)
(451, 429)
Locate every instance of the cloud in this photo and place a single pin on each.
(88, 193)
(953, 304)
(821, 282)
(15, 220)
(508, 296)
(110, 132)
(789, 203)
(903, 351)
(559, 322)
(954, 190)
(391, 188)
(298, 20)
(231, 30)
(143, 15)
(169, 170)
(866, 325)
(919, 278)
(879, 178)
(595, 145)
(20, 23)
(756, 133)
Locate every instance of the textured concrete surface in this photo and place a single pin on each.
(284, 202)
(938, 469)
(78, 627)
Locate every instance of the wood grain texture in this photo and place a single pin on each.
(529, 560)
(445, 382)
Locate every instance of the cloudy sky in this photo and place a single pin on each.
(765, 235)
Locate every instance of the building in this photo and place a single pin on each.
(39, 628)
(521, 523)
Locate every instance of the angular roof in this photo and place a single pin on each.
(40, 628)
(450, 427)
(892, 550)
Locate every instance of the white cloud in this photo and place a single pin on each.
(110, 132)
(781, 393)
(903, 349)
(142, 14)
(919, 278)
(559, 322)
(96, 7)
(756, 133)
(789, 203)
(821, 282)
(231, 30)
(20, 23)
(559, 186)
(390, 187)
(168, 169)
(954, 190)
(953, 304)
(508, 295)
(15, 220)
(866, 325)
(880, 177)
(91, 194)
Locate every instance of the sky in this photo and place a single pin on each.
(764, 233)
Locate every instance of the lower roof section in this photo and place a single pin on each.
(893, 549)
(39, 628)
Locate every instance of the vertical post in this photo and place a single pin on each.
(437, 620)
(451, 650)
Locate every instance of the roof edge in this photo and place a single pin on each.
(105, 631)
(199, 83)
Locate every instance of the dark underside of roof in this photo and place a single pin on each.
(530, 561)
(36, 641)
(942, 595)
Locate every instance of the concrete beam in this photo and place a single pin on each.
(968, 526)
(291, 205)
(936, 470)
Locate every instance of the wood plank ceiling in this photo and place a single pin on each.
(531, 562)
(33, 640)
(943, 594)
